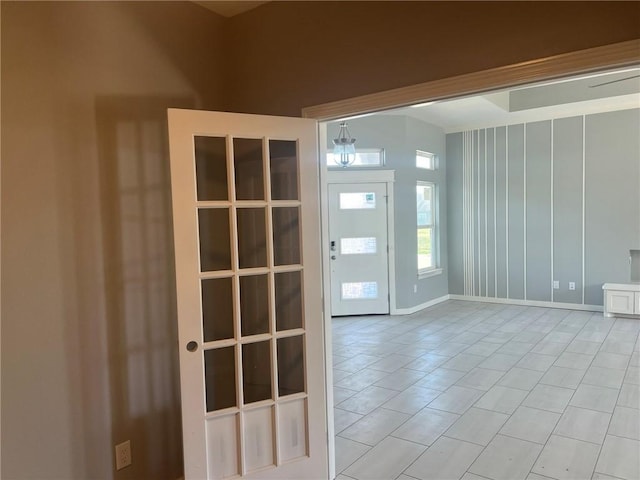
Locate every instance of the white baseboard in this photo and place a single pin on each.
(529, 303)
(422, 306)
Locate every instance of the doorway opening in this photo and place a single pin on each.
(533, 104)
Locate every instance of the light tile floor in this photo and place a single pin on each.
(476, 391)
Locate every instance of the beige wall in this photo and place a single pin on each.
(288, 55)
(88, 312)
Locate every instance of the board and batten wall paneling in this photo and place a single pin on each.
(567, 208)
(501, 212)
(537, 202)
(516, 211)
(538, 211)
(477, 223)
(490, 224)
(612, 200)
(455, 176)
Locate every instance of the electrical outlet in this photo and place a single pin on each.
(556, 284)
(572, 285)
(123, 455)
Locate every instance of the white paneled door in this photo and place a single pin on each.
(359, 251)
(248, 280)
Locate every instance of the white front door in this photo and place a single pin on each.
(358, 248)
(248, 280)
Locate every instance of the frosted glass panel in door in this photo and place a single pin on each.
(357, 200)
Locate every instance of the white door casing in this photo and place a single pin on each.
(248, 281)
(358, 248)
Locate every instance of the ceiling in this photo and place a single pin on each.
(229, 9)
(614, 90)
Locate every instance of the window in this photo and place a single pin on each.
(425, 160)
(426, 228)
(357, 200)
(365, 157)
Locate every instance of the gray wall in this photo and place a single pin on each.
(400, 137)
(539, 193)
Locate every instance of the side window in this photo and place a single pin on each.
(426, 204)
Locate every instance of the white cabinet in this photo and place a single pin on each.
(621, 299)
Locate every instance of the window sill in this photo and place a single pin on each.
(429, 273)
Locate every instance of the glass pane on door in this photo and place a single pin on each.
(283, 161)
(290, 365)
(247, 159)
(286, 236)
(254, 305)
(288, 287)
(215, 244)
(220, 378)
(252, 238)
(211, 168)
(256, 371)
(217, 309)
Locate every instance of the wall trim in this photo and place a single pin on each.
(502, 301)
(578, 62)
(584, 198)
(553, 272)
(528, 303)
(422, 306)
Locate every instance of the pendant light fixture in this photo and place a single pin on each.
(344, 149)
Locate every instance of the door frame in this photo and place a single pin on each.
(591, 60)
(369, 176)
